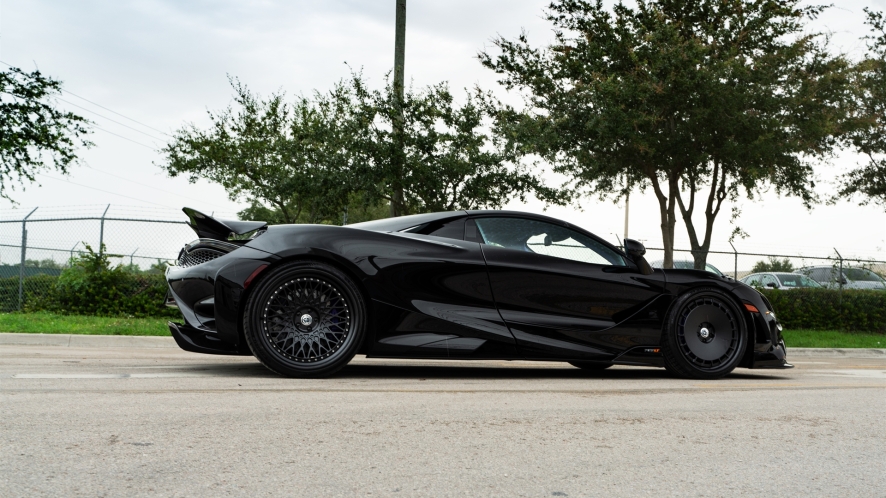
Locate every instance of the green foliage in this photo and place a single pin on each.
(273, 153)
(774, 264)
(42, 322)
(91, 286)
(354, 150)
(34, 136)
(825, 309)
(708, 97)
(428, 153)
(869, 180)
(798, 338)
(36, 289)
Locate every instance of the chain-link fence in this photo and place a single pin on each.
(37, 246)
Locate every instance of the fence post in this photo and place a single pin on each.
(131, 256)
(71, 261)
(735, 269)
(840, 281)
(101, 234)
(21, 267)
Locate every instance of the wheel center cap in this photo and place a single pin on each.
(705, 332)
(306, 320)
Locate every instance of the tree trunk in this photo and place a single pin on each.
(666, 208)
(716, 196)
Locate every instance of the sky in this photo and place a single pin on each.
(142, 69)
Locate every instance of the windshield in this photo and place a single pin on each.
(793, 280)
(861, 275)
(689, 265)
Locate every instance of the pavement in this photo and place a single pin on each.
(141, 418)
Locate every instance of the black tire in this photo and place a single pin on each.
(590, 365)
(704, 336)
(305, 319)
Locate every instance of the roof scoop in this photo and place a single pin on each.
(208, 227)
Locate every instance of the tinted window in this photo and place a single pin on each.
(752, 280)
(539, 237)
(793, 280)
(768, 279)
(821, 274)
(862, 275)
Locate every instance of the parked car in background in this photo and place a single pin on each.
(684, 264)
(851, 278)
(782, 281)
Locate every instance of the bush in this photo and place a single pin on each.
(92, 287)
(35, 289)
(774, 264)
(828, 309)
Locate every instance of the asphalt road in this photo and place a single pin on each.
(163, 422)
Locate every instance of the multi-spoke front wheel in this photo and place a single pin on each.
(305, 319)
(705, 335)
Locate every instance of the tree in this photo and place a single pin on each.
(34, 135)
(710, 98)
(869, 180)
(774, 264)
(445, 158)
(288, 160)
(332, 156)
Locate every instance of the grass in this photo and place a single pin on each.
(832, 339)
(50, 323)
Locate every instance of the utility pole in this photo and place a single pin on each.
(398, 158)
(627, 211)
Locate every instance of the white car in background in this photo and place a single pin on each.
(781, 281)
(852, 278)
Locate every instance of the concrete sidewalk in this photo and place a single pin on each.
(87, 341)
(131, 341)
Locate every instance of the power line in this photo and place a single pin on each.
(117, 113)
(141, 184)
(103, 107)
(105, 191)
(124, 138)
(111, 120)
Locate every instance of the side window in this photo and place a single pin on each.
(823, 275)
(539, 237)
(769, 279)
(453, 229)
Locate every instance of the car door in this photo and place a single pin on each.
(562, 293)
(438, 301)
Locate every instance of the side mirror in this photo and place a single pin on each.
(772, 285)
(635, 250)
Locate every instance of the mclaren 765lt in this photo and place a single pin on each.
(304, 299)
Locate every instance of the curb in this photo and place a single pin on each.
(835, 353)
(86, 341)
(135, 341)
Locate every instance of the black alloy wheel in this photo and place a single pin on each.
(705, 335)
(305, 319)
(590, 365)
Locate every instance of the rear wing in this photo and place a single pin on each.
(208, 227)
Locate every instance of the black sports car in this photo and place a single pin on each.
(304, 299)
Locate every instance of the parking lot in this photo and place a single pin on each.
(107, 421)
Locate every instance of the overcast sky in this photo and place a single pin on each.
(164, 63)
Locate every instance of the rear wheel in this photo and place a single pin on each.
(305, 319)
(705, 335)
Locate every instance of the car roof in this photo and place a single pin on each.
(403, 222)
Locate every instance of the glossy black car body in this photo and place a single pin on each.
(433, 290)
